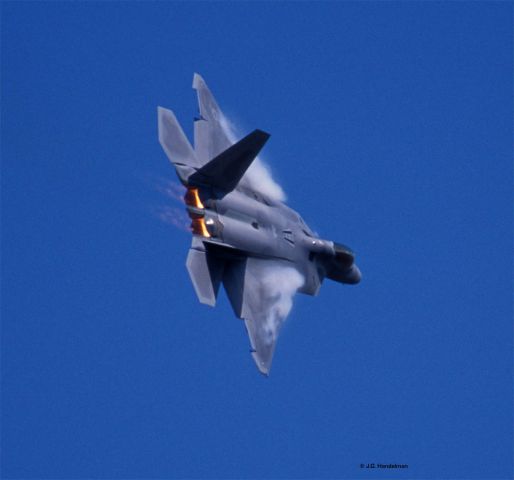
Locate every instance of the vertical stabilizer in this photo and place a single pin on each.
(227, 169)
(211, 128)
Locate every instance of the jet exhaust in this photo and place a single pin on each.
(198, 227)
(192, 198)
(196, 211)
(244, 237)
(172, 216)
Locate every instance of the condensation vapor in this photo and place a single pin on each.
(171, 189)
(258, 176)
(278, 285)
(278, 282)
(171, 215)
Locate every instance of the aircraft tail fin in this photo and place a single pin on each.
(212, 130)
(176, 145)
(226, 170)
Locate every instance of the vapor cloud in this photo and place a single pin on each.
(170, 189)
(173, 216)
(275, 283)
(278, 285)
(258, 176)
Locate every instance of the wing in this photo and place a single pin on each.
(212, 131)
(260, 292)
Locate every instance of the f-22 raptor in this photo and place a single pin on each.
(239, 232)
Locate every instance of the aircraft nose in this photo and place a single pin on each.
(353, 276)
(317, 245)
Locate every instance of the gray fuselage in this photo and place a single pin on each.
(266, 228)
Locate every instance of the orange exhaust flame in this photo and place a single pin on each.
(198, 227)
(192, 198)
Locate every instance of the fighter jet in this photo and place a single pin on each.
(239, 231)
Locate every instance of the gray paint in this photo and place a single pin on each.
(247, 231)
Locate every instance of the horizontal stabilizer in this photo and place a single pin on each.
(226, 170)
(175, 143)
(206, 272)
(234, 283)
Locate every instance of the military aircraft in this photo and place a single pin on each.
(240, 233)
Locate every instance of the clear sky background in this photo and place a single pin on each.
(391, 132)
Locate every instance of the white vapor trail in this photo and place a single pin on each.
(278, 284)
(173, 216)
(171, 189)
(275, 283)
(258, 176)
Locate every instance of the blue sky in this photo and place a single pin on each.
(391, 132)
